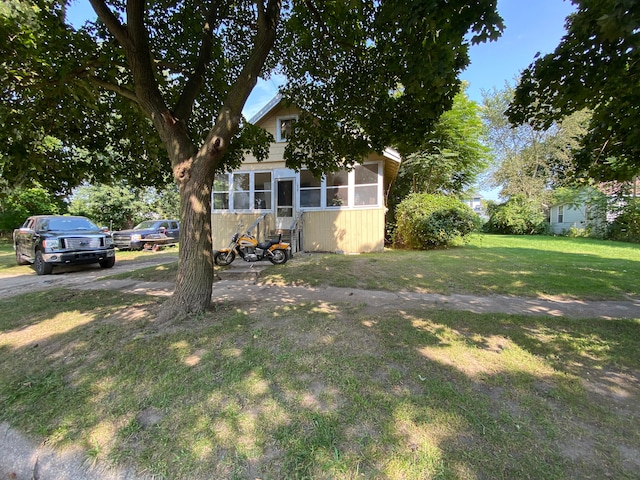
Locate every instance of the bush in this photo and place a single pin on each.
(626, 226)
(518, 216)
(426, 221)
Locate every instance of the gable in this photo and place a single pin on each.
(271, 117)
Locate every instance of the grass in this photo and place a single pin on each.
(328, 389)
(489, 264)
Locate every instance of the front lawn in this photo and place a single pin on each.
(490, 264)
(336, 389)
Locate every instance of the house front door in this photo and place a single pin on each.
(284, 203)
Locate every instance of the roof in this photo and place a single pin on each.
(392, 156)
(264, 111)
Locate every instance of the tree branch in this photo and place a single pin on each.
(268, 19)
(111, 21)
(125, 92)
(216, 13)
(229, 115)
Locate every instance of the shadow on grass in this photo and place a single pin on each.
(322, 390)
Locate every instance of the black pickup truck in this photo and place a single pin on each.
(48, 240)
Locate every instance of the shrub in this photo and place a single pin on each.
(626, 226)
(426, 221)
(518, 216)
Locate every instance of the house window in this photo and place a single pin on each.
(310, 190)
(561, 214)
(262, 190)
(284, 127)
(366, 185)
(221, 192)
(338, 189)
(242, 191)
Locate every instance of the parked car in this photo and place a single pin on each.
(49, 240)
(148, 234)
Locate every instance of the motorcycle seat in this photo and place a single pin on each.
(266, 244)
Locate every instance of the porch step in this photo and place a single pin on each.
(240, 270)
(286, 235)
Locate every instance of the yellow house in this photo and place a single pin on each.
(341, 212)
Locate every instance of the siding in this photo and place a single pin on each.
(349, 231)
(224, 225)
(276, 149)
(572, 217)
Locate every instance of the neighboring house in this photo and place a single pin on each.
(475, 203)
(586, 210)
(342, 212)
(564, 217)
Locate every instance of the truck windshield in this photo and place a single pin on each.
(65, 224)
(146, 224)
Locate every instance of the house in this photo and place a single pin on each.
(585, 209)
(341, 212)
(564, 217)
(475, 203)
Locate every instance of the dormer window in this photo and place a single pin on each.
(284, 127)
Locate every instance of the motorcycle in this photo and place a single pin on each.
(246, 246)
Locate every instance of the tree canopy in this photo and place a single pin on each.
(528, 161)
(178, 74)
(450, 158)
(596, 66)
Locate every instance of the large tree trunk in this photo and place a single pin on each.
(194, 279)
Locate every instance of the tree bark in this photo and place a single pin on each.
(194, 279)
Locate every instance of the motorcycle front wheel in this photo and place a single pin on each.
(278, 257)
(222, 259)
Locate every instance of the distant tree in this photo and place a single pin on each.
(626, 225)
(165, 202)
(517, 216)
(115, 207)
(23, 202)
(596, 66)
(450, 158)
(121, 207)
(527, 161)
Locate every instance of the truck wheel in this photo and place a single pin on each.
(42, 267)
(108, 262)
(19, 259)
